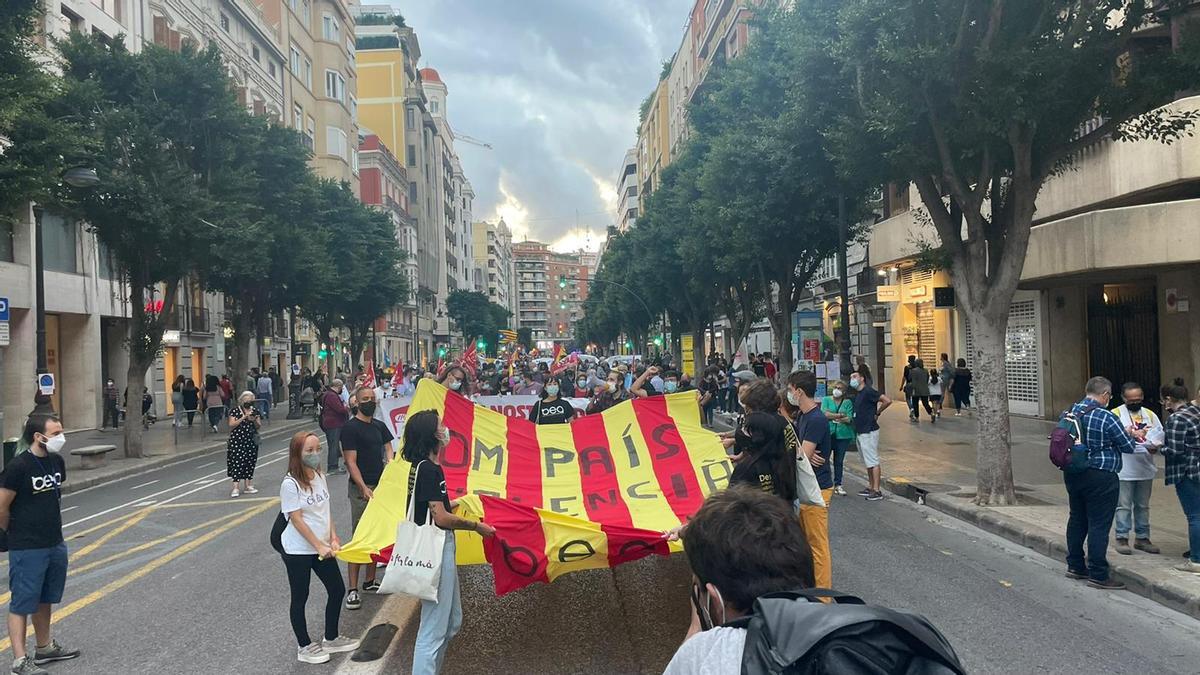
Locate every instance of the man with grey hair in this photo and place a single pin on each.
(1093, 492)
(334, 415)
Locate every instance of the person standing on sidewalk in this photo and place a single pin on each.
(869, 404)
(177, 401)
(241, 454)
(1137, 470)
(110, 404)
(906, 382)
(266, 394)
(334, 415)
(214, 401)
(918, 392)
(839, 410)
(812, 428)
(191, 399)
(946, 380)
(367, 447)
(962, 387)
(1092, 494)
(1182, 452)
(31, 532)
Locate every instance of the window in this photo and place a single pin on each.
(271, 69)
(335, 85)
(353, 108)
(354, 160)
(294, 4)
(308, 74)
(412, 193)
(310, 136)
(58, 243)
(306, 11)
(335, 142)
(254, 52)
(411, 156)
(224, 23)
(350, 48)
(330, 29)
(433, 107)
(294, 61)
(298, 117)
(410, 119)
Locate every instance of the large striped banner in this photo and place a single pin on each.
(593, 493)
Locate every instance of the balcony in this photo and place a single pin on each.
(198, 320)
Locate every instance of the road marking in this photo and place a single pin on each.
(206, 464)
(137, 518)
(218, 502)
(142, 571)
(148, 502)
(136, 487)
(69, 508)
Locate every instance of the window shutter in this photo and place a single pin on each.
(160, 31)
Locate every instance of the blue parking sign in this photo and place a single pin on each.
(3, 309)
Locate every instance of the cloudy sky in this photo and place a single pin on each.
(554, 86)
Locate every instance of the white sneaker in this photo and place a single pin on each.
(312, 654)
(837, 490)
(234, 494)
(251, 490)
(339, 644)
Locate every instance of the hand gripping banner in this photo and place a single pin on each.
(602, 488)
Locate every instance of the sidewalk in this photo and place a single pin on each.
(162, 446)
(935, 464)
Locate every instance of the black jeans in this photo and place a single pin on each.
(111, 412)
(1093, 499)
(914, 400)
(299, 569)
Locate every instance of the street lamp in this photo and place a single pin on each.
(78, 177)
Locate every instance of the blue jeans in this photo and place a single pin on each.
(840, 446)
(1134, 499)
(264, 407)
(441, 620)
(1188, 491)
(1093, 501)
(333, 438)
(708, 410)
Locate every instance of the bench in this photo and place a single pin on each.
(94, 456)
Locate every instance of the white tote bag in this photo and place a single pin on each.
(808, 491)
(415, 567)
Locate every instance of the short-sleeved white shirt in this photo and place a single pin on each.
(712, 652)
(313, 506)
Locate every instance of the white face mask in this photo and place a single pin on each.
(56, 443)
(793, 399)
(837, 393)
(455, 385)
(444, 436)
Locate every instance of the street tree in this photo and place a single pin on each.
(476, 316)
(979, 104)
(160, 120)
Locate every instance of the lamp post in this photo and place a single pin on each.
(77, 177)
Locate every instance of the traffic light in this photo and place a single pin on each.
(322, 354)
(562, 281)
(441, 352)
(629, 344)
(562, 305)
(481, 345)
(657, 340)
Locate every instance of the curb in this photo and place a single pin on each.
(1165, 591)
(166, 460)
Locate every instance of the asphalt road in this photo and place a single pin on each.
(173, 576)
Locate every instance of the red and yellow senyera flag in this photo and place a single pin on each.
(601, 489)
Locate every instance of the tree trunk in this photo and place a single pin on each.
(989, 395)
(241, 343)
(697, 352)
(144, 340)
(135, 377)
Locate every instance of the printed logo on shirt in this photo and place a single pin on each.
(313, 499)
(45, 483)
(559, 408)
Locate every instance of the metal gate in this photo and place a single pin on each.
(1123, 337)
(1022, 353)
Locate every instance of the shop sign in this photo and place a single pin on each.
(918, 292)
(887, 293)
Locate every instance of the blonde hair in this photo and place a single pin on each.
(242, 396)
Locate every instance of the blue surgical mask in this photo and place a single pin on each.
(671, 386)
(552, 389)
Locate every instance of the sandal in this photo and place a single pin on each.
(234, 494)
(250, 490)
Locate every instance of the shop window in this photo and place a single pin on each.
(59, 243)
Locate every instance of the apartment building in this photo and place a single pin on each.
(551, 288)
(1113, 263)
(384, 184)
(493, 254)
(627, 191)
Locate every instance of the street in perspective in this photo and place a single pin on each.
(683, 336)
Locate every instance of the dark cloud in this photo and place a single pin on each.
(554, 87)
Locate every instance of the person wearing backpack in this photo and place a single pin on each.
(751, 612)
(1093, 489)
(1182, 453)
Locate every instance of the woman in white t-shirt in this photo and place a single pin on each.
(309, 544)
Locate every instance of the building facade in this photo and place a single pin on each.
(551, 289)
(627, 191)
(493, 254)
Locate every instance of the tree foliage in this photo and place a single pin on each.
(477, 316)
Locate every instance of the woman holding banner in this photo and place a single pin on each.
(551, 408)
(424, 439)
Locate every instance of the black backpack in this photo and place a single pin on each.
(791, 633)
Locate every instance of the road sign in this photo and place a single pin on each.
(3, 309)
(4, 334)
(45, 383)
(295, 368)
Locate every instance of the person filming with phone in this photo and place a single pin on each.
(241, 456)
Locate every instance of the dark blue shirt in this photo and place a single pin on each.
(813, 427)
(866, 406)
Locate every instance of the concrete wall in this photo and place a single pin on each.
(1179, 332)
(1066, 357)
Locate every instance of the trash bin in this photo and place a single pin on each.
(10, 449)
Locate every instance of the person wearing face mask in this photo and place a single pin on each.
(869, 404)
(309, 544)
(455, 379)
(367, 448)
(839, 410)
(643, 386)
(765, 464)
(1137, 471)
(742, 543)
(581, 386)
(31, 532)
(334, 415)
(1181, 450)
(529, 386)
(241, 454)
(111, 411)
(608, 394)
(812, 430)
(552, 409)
(424, 439)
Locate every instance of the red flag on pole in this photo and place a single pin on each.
(370, 380)
(470, 359)
(398, 377)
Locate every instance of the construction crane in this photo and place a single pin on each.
(472, 140)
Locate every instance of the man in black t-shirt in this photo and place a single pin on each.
(366, 447)
(31, 532)
(812, 428)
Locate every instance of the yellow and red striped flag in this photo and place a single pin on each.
(603, 488)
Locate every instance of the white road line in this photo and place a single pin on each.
(69, 508)
(204, 465)
(136, 487)
(160, 492)
(212, 483)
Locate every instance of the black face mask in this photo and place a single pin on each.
(1133, 407)
(367, 408)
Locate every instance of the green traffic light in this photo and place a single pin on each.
(658, 342)
(322, 354)
(481, 345)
